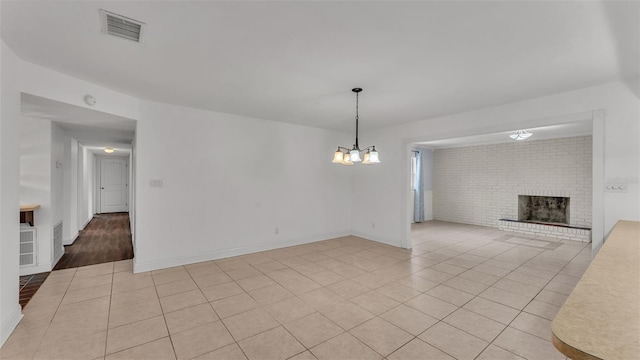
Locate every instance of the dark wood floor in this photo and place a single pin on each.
(106, 238)
(29, 284)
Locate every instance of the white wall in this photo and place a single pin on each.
(80, 190)
(10, 312)
(480, 184)
(132, 193)
(229, 182)
(40, 81)
(427, 176)
(35, 185)
(42, 153)
(57, 182)
(428, 205)
(70, 201)
(86, 186)
(390, 208)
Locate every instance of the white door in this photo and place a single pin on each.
(113, 185)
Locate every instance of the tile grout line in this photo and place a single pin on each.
(119, 326)
(56, 312)
(164, 318)
(520, 310)
(215, 312)
(106, 338)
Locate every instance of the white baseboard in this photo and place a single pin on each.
(40, 268)
(377, 238)
(55, 261)
(10, 323)
(220, 254)
(70, 241)
(86, 223)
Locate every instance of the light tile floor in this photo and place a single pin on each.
(462, 292)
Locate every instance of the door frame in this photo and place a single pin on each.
(98, 182)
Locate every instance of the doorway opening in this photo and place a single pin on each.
(474, 193)
(107, 236)
(60, 150)
(421, 186)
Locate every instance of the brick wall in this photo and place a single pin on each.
(480, 184)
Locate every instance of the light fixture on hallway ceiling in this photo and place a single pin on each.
(520, 135)
(109, 150)
(346, 156)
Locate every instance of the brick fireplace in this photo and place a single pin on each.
(546, 216)
(543, 209)
(482, 184)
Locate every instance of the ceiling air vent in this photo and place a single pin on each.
(121, 26)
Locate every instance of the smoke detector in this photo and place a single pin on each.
(121, 26)
(89, 100)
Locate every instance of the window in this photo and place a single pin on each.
(414, 166)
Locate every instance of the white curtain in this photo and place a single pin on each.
(418, 202)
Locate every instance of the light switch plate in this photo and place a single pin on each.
(155, 183)
(615, 187)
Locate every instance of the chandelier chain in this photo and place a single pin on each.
(357, 118)
(348, 156)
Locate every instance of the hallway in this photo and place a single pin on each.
(106, 238)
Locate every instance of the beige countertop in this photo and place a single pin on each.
(29, 207)
(601, 317)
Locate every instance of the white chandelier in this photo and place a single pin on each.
(520, 135)
(346, 156)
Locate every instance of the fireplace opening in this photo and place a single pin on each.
(543, 209)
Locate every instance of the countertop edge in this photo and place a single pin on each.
(569, 350)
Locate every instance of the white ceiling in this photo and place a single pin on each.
(91, 128)
(541, 133)
(297, 61)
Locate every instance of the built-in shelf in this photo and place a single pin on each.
(26, 213)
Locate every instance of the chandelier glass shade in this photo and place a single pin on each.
(348, 156)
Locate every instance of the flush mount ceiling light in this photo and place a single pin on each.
(346, 156)
(520, 135)
(109, 150)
